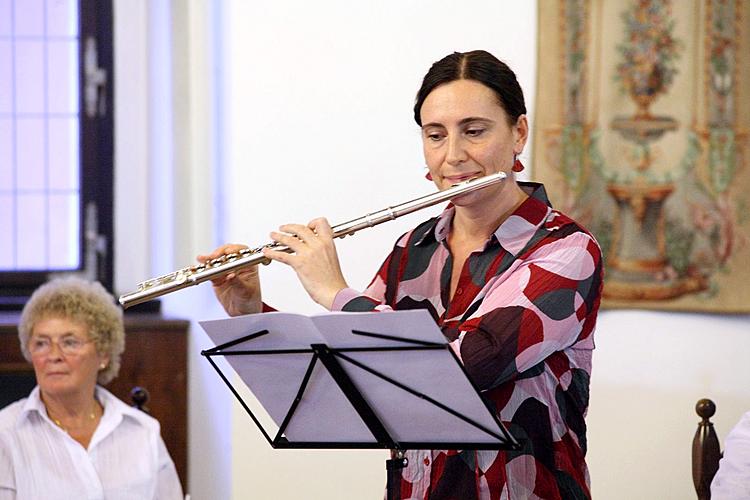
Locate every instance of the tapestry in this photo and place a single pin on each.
(641, 134)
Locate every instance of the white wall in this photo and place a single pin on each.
(316, 120)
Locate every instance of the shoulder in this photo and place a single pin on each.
(116, 407)
(562, 232)
(9, 414)
(560, 225)
(566, 249)
(557, 224)
(741, 431)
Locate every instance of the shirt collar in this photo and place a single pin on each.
(33, 404)
(514, 233)
(113, 412)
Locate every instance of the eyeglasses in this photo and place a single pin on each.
(68, 345)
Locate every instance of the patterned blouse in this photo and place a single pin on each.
(522, 321)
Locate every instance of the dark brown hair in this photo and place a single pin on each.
(481, 66)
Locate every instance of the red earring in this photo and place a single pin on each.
(517, 166)
(428, 176)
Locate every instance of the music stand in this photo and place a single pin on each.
(356, 381)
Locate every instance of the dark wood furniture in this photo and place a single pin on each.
(706, 450)
(155, 357)
(139, 396)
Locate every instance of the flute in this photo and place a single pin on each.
(212, 269)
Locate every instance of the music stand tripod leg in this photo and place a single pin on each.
(393, 468)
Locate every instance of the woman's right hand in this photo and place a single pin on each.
(239, 291)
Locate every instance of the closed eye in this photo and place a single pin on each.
(433, 132)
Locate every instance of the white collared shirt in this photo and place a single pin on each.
(732, 481)
(126, 458)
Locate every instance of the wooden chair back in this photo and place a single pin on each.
(139, 396)
(706, 450)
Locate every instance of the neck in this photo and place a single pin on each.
(78, 407)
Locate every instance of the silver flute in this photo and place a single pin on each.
(215, 268)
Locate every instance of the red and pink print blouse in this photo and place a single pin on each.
(522, 322)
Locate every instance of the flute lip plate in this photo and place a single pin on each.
(466, 181)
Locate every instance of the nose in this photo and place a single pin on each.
(456, 152)
(55, 351)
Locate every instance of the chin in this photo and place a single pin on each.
(57, 387)
(466, 199)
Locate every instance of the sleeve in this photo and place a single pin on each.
(545, 303)
(168, 485)
(7, 479)
(733, 477)
(266, 308)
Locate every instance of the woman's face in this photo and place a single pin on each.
(65, 359)
(465, 133)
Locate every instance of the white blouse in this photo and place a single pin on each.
(126, 458)
(732, 481)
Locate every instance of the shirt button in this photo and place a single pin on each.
(459, 291)
(426, 461)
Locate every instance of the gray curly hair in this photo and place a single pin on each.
(87, 302)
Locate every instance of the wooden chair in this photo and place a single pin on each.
(139, 396)
(706, 450)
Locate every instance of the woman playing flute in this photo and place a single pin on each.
(514, 285)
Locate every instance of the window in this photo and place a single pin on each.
(56, 142)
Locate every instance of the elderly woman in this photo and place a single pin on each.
(71, 438)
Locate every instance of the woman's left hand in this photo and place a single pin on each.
(314, 259)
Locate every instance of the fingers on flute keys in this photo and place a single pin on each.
(220, 254)
(300, 239)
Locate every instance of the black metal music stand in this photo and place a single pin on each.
(360, 389)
